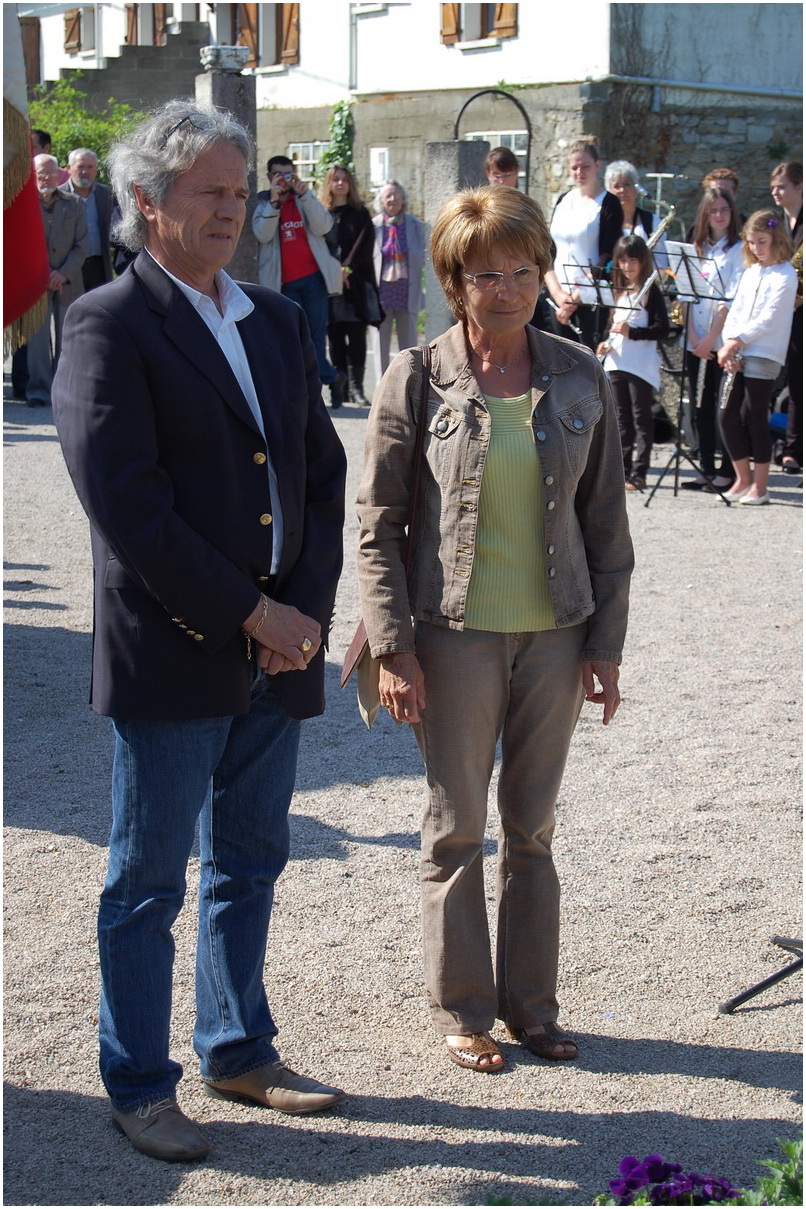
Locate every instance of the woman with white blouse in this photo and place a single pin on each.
(756, 336)
(585, 225)
(718, 242)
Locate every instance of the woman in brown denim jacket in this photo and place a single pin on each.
(514, 606)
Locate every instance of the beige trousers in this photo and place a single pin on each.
(527, 690)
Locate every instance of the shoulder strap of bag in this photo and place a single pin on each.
(418, 452)
(346, 262)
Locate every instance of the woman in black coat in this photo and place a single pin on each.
(352, 240)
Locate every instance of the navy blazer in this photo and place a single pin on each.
(170, 467)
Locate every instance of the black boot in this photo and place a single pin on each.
(337, 390)
(357, 395)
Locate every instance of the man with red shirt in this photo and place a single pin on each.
(290, 225)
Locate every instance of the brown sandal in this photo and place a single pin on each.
(470, 1056)
(543, 1045)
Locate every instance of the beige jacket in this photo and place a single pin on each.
(589, 556)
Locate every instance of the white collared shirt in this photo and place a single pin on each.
(236, 306)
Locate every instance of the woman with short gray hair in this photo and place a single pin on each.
(158, 150)
(399, 258)
(622, 180)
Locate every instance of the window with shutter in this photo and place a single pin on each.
(161, 23)
(246, 32)
(29, 29)
(505, 21)
(288, 31)
(72, 31)
(451, 23)
(131, 24)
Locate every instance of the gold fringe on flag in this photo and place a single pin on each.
(21, 330)
(16, 134)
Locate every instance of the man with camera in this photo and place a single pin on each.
(290, 225)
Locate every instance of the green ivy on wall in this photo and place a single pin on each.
(341, 130)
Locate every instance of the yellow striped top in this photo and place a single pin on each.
(509, 589)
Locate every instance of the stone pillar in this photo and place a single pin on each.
(449, 167)
(222, 84)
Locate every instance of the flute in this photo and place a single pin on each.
(555, 308)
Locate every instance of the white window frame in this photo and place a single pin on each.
(379, 172)
(306, 155)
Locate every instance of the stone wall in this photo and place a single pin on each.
(688, 134)
(146, 76)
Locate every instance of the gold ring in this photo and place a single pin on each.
(305, 645)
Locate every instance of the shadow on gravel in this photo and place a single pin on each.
(314, 840)
(62, 1149)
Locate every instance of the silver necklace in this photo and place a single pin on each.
(502, 369)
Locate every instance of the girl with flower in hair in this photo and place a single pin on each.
(756, 335)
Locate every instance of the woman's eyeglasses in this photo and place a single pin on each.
(521, 278)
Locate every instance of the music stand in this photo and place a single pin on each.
(588, 279)
(792, 946)
(693, 286)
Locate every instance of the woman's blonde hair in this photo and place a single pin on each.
(767, 221)
(326, 193)
(585, 145)
(477, 223)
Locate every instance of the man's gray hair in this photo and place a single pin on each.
(621, 168)
(387, 184)
(77, 153)
(159, 150)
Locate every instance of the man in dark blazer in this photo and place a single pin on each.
(82, 165)
(190, 414)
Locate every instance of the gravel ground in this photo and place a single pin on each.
(678, 847)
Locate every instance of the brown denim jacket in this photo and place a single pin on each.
(589, 556)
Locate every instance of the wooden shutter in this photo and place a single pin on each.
(29, 29)
(451, 23)
(72, 31)
(506, 21)
(246, 33)
(131, 24)
(160, 36)
(288, 15)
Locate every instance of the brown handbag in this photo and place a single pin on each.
(358, 657)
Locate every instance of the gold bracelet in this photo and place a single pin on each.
(250, 634)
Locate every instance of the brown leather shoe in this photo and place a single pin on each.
(162, 1131)
(276, 1086)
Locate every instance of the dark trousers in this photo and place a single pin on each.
(348, 345)
(746, 419)
(705, 414)
(93, 272)
(793, 445)
(633, 399)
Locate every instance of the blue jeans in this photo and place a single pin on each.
(236, 776)
(310, 293)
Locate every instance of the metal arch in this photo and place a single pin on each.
(499, 92)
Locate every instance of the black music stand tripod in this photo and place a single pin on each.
(696, 287)
(792, 946)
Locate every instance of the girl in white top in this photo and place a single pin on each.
(718, 242)
(631, 354)
(756, 335)
(584, 226)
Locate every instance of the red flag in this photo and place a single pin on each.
(25, 269)
(25, 256)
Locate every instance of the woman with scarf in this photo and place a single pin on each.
(399, 260)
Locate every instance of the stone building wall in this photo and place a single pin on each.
(147, 76)
(691, 133)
